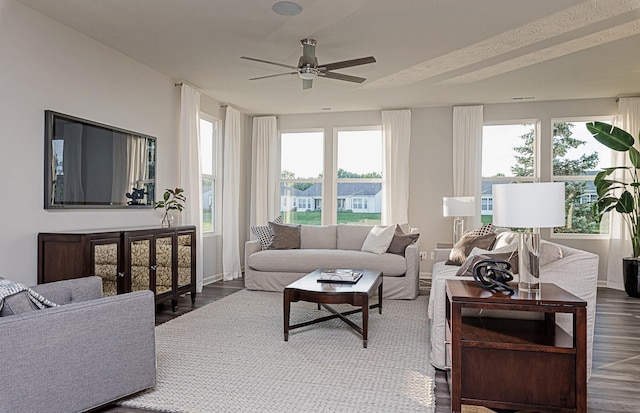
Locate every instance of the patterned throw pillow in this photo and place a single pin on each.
(263, 233)
(485, 230)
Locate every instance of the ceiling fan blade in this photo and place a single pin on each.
(268, 62)
(348, 63)
(340, 76)
(307, 83)
(277, 74)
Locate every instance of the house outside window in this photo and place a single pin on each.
(508, 155)
(301, 176)
(359, 175)
(211, 164)
(577, 158)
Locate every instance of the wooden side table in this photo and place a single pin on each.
(516, 364)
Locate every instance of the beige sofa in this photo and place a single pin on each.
(331, 246)
(574, 270)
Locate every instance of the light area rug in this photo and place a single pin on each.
(230, 356)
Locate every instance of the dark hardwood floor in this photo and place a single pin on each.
(616, 356)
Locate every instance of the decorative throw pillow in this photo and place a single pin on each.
(461, 250)
(263, 233)
(404, 228)
(549, 252)
(487, 229)
(379, 239)
(477, 254)
(400, 242)
(285, 236)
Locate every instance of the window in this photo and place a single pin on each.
(508, 155)
(359, 175)
(301, 163)
(353, 189)
(577, 158)
(210, 164)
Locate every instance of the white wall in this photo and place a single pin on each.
(45, 65)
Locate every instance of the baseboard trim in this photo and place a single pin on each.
(212, 279)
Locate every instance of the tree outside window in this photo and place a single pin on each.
(577, 158)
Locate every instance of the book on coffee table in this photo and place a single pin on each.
(339, 275)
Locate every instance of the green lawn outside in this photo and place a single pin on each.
(314, 218)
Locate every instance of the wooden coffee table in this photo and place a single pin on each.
(309, 289)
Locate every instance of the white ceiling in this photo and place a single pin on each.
(429, 52)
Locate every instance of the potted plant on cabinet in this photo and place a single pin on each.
(172, 200)
(620, 192)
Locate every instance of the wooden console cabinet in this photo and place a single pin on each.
(516, 364)
(162, 260)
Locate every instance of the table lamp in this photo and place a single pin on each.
(458, 207)
(529, 206)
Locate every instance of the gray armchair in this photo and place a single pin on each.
(86, 353)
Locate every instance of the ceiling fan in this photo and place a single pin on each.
(309, 69)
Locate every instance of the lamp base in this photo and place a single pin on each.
(529, 262)
(458, 229)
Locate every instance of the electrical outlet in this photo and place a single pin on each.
(423, 255)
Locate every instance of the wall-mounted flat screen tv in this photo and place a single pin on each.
(92, 165)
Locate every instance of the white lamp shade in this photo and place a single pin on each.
(534, 205)
(459, 206)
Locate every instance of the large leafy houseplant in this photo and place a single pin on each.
(172, 200)
(618, 190)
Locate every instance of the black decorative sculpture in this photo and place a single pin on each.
(135, 196)
(494, 275)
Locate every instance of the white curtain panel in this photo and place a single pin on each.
(620, 242)
(396, 137)
(467, 155)
(190, 171)
(265, 177)
(231, 199)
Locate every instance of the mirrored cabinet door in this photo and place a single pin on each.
(106, 265)
(163, 263)
(140, 264)
(184, 259)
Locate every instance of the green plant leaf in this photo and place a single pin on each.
(611, 136)
(634, 155)
(625, 203)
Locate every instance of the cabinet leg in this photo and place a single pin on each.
(193, 298)
(174, 305)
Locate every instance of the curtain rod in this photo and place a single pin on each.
(627, 96)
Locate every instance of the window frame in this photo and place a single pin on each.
(509, 179)
(337, 181)
(580, 178)
(217, 172)
(287, 181)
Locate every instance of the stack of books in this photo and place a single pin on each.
(339, 275)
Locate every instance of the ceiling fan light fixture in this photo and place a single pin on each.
(287, 8)
(308, 73)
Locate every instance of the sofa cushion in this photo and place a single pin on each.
(307, 260)
(468, 242)
(351, 237)
(321, 237)
(379, 239)
(284, 236)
